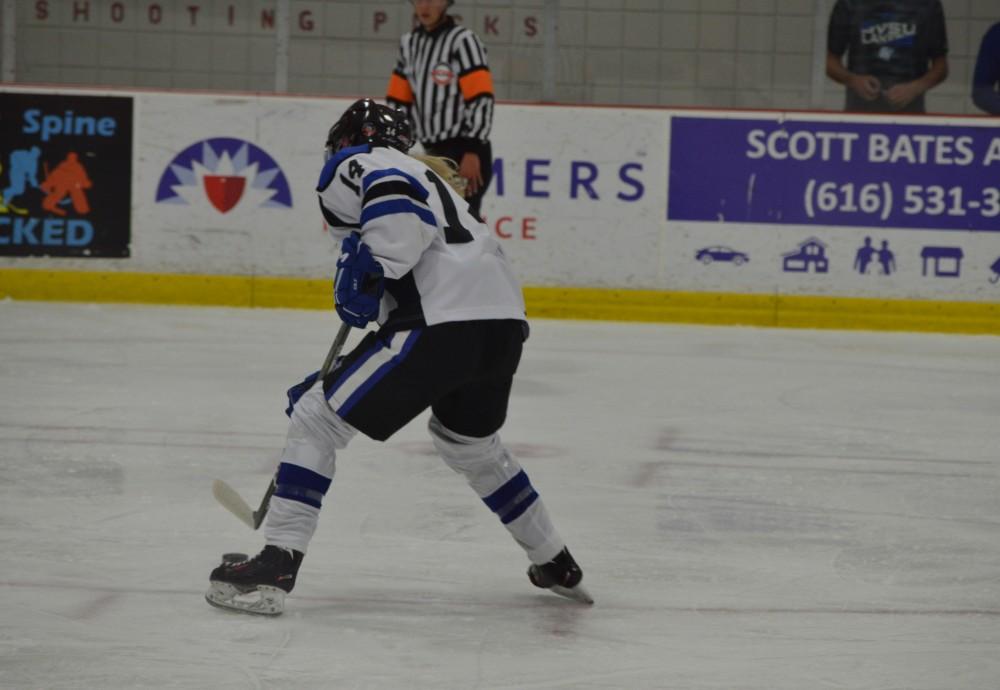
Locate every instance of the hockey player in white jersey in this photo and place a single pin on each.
(451, 323)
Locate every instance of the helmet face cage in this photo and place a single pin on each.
(368, 122)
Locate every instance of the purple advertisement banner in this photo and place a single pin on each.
(941, 177)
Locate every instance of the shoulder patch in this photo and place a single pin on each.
(330, 167)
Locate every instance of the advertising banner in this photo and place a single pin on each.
(867, 174)
(578, 194)
(65, 175)
(826, 205)
(747, 203)
(227, 184)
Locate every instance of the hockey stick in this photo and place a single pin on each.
(229, 498)
(335, 348)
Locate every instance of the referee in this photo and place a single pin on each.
(443, 82)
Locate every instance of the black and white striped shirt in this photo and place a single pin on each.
(442, 80)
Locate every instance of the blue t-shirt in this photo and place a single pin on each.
(986, 77)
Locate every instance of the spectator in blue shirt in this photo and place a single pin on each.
(986, 77)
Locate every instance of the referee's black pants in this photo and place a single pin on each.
(455, 149)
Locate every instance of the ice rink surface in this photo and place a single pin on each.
(753, 509)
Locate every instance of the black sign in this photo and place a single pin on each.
(65, 175)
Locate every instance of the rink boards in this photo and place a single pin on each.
(763, 218)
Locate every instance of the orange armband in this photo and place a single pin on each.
(399, 89)
(476, 83)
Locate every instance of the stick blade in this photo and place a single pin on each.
(233, 502)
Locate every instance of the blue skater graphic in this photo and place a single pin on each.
(996, 271)
(23, 169)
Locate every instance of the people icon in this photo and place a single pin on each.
(864, 256)
(23, 170)
(867, 253)
(886, 259)
(67, 179)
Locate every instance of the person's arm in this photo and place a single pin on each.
(900, 95)
(837, 43)
(396, 220)
(986, 77)
(865, 85)
(339, 189)
(399, 93)
(476, 85)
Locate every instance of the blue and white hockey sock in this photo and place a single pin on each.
(523, 513)
(294, 507)
(308, 464)
(504, 487)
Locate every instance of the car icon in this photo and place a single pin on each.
(710, 254)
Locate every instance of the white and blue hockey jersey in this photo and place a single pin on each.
(441, 263)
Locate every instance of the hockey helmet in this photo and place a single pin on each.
(368, 122)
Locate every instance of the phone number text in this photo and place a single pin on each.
(880, 199)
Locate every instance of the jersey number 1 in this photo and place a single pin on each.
(454, 231)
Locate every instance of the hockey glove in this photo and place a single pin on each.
(359, 283)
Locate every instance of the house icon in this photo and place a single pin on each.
(946, 262)
(812, 252)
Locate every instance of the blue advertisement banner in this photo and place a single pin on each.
(870, 174)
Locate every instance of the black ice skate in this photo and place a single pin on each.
(258, 585)
(562, 576)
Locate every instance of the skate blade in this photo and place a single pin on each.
(262, 601)
(577, 593)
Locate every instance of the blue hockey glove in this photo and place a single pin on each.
(359, 283)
